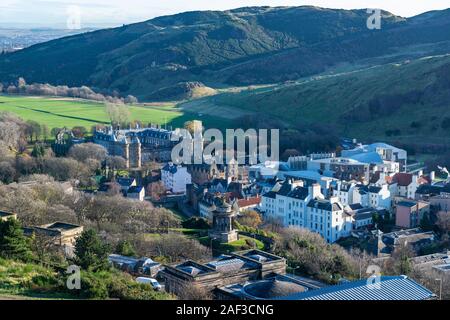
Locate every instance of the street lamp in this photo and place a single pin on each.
(211, 242)
(440, 288)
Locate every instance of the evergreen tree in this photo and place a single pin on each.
(38, 150)
(13, 244)
(125, 248)
(90, 252)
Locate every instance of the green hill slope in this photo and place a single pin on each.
(402, 102)
(243, 46)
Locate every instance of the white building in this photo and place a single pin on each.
(374, 196)
(175, 178)
(295, 205)
(136, 192)
(375, 152)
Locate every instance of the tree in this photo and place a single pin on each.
(45, 131)
(311, 255)
(119, 114)
(193, 292)
(83, 152)
(250, 218)
(79, 132)
(33, 130)
(38, 150)
(400, 261)
(90, 252)
(131, 99)
(156, 190)
(54, 132)
(125, 248)
(13, 244)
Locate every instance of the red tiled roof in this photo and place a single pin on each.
(249, 202)
(402, 179)
(424, 180)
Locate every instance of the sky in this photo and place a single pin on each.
(103, 13)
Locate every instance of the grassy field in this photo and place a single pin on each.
(64, 112)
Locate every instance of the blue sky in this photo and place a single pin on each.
(53, 13)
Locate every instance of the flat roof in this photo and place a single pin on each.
(60, 226)
(6, 214)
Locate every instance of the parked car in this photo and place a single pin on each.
(153, 282)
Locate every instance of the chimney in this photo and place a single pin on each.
(334, 200)
(314, 191)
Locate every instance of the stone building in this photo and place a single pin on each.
(223, 218)
(235, 268)
(138, 146)
(60, 234)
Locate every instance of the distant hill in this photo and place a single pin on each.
(405, 102)
(245, 46)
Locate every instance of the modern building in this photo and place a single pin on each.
(175, 178)
(375, 152)
(386, 288)
(409, 213)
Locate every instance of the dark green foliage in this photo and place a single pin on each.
(196, 223)
(125, 248)
(116, 285)
(13, 244)
(312, 256)
(446, 123)
(91, 253)
(38, 150)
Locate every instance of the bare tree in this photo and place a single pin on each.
(83, 152)
(118, 113)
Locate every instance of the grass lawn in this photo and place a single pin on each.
(65, 112)
(242, 244)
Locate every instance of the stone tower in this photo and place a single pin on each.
(135, 153)
(223, 217)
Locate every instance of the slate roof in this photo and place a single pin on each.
(429, 189)
(125, 182)
(324, 205)
(136, 189)
(406, 204)
(270, 194)
(390, 288)
(299, 193)
(402, 179)
(374, 189)
(170, 168)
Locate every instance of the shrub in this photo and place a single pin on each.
(196, 223)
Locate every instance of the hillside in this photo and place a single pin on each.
(239, 47)
(406, 101)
